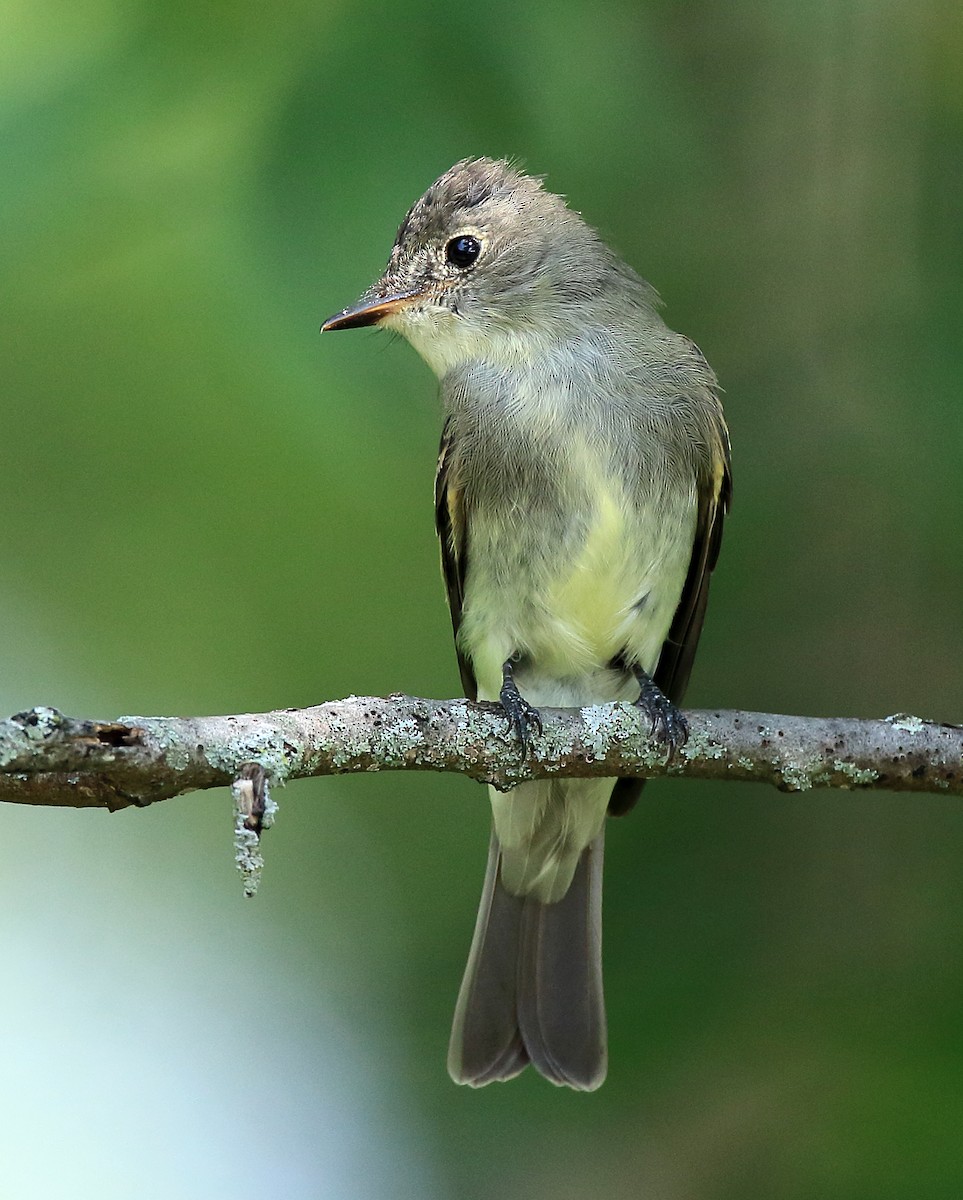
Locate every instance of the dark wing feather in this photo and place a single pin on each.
(678, 649)
(452, 534)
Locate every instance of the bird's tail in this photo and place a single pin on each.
(532, 990)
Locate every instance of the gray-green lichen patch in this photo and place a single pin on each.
(554, 743)
(241, 748)
(859, 776)
(608, 724)
(247, 856)
(346, 743)
(460, 714)
(34, 726)
(906, 722)
(795, 777)
(395, 741)
(270, 814)
(247, 842)
(367, 737)
(177, 756)
(40, 722)
(466, 743)
(702, 745)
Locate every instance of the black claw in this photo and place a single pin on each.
(666, 722)
(523, 718)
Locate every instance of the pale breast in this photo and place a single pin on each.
(573, 578)
(580, 507)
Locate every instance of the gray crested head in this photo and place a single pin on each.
(488, 260)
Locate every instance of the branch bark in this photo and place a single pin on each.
(49, 759)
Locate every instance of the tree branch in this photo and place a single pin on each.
(49, 759)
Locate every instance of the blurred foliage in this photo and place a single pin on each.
(207, 509)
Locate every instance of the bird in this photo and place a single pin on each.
(582, 484)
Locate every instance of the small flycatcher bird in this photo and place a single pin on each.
(580, 494)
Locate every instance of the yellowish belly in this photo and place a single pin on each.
(568, 610)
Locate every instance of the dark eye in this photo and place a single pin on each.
(462, 251)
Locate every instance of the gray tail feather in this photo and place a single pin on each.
(532, 990)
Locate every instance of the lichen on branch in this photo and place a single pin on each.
(47, 758)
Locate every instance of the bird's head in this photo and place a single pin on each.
(485, 261)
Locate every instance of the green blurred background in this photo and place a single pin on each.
(208, 509)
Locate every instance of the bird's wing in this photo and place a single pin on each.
(678, 649)
(452, 534)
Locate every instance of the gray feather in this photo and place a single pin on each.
(532, 990)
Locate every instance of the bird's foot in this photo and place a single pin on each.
(523, 718)
(666, 721)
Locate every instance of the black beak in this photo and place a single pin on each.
(369, 311)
